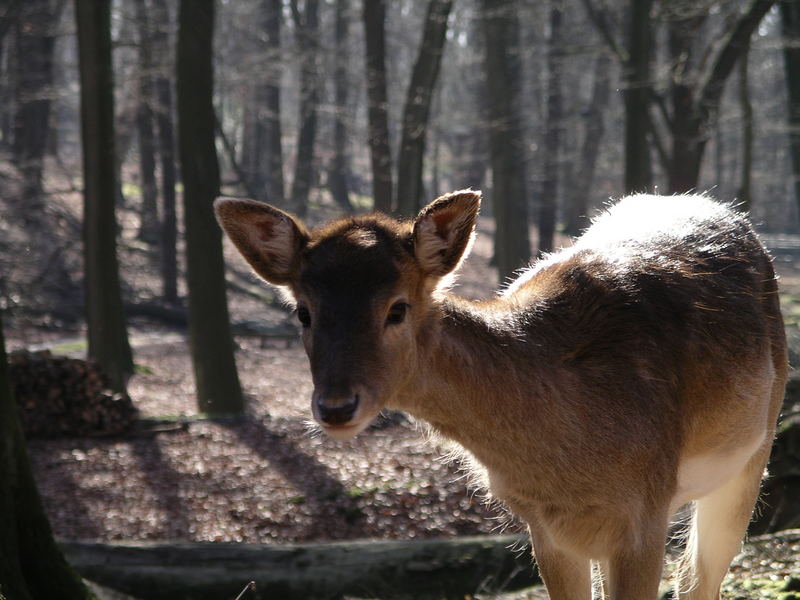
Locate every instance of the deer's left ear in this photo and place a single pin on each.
(443, 231)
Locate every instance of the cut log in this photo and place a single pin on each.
(451, 568)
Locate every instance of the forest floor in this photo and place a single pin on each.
(269, 477)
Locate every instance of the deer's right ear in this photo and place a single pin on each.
(268, 238)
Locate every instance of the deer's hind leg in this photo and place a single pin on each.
(717, 528)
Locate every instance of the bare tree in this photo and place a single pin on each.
(106, 329)
(31, 564)
(552, 136)
(268, 93)
(378, 103)
(790, 27)
(638, 91)
(594, 129)
(506, 147)
(745, 194)
(417, 107)
(35, 36)
(307, 30)
(166, 149)
(696, 96)
(338, 170)
(149, 227)
(216, 378)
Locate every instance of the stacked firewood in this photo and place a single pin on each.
(61, 396)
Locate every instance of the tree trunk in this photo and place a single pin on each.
(790, 26)
(506, 147)
(148, 228)
(217, 382)
(552, 136)
(378, 104)
(684, 167)
(307, 28)
(166, 149)
(695, 108)
(638, 89)
(744, 196)
(454, 568)
(105, 319)
(32, 567)
(417, 108)
(268, 93)
(35, 46)
(583, 177)
(337, 173)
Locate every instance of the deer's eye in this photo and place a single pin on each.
(303, 316)
(397, 314)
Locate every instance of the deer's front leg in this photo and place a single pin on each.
(566, 576)
(634, 571)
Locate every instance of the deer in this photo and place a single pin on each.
(637, 371)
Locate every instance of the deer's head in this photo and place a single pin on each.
(362, 290)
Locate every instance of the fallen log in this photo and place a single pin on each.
(445, 568)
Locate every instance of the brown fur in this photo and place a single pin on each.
(608, 385)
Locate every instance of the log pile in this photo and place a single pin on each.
(61, 396)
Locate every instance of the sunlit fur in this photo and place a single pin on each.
(640, 369)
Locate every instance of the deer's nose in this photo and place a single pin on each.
(338, 413)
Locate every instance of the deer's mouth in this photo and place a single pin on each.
(345, 431)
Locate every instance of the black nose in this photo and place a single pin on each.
(337, 415)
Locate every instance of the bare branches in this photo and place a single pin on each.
(598, 15)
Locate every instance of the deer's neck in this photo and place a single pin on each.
(479, 375)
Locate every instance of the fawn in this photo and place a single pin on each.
(636, 371)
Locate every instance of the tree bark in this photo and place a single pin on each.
(149, 227)
(417, 108)
(583, 177)
(338, 171)
(35, 45)
(268, 93)
(695, 108)
(638, 89)
(166, 149)
(32, 566)
(552, 136)
(374, 17)
(107, 333)
(307, 28)
(506, 147)
(415, 569)
(790, 28)
(744, 197)
(216, 379)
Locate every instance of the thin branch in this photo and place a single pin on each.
(658, 142)
(231, 153)
(659, 101)
(731, 51)
(9, 17)
(598, 18)
(296, 16)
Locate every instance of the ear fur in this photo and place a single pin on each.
(444, 230)
(269, 239)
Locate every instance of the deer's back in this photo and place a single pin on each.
(661, 330)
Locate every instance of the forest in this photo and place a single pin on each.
(153, 391)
